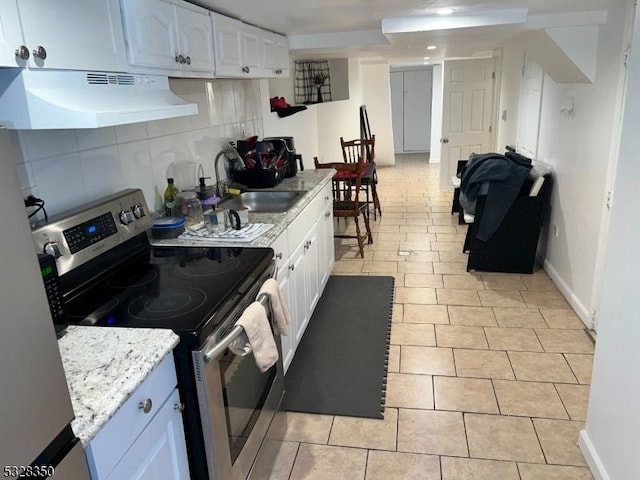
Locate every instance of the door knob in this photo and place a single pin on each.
(444, 140)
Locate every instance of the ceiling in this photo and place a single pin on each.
(354, 27)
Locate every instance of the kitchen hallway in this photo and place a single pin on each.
(488, 375)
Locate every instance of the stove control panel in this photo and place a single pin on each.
(79, 235)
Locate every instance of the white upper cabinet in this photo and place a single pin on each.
(65, 34)
(245, 51)
(164, 35)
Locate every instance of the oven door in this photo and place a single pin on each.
(237, 403)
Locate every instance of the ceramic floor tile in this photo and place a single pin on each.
(541, 367)
(423, 280)
(446, 246)
(530, 471)
(409, 391)
(274, 461)
(321, 462)
(457, 257)
(483, 364)
(397, 313)
(421, 237)
(421, 256)
(561, 318)
(519, 317)
(421, 296)
(450, 237)
(519, 339)
(495, 282)
(387, 256)
(300, 427)
(475, 469)
(559, 440)
(450, 268)
(529, 399)
(427, 361)
(443, 229)
(464, 395)
(383, 245)
(416, 246)
(394, 359)
(581, 365)
(450, 296)
(425, 314)
(538, 284)
(432, 432)
(565, 341)
(402, 466)
(348, 266)
(465, 282)
(545, 300)
(415, 267)
(382, 267)
(413, 334)
(502, 438)
(460, 337)
(366, 432)
(501, 298)
(575, 399)
(471, 316)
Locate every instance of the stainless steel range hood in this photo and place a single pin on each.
(54, 99)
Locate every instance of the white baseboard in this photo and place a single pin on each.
(591, 456)
(576, 304)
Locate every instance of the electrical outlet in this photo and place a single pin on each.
(243, 130)
(555, 230)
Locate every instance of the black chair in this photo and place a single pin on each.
(455, 204)
(513, 247)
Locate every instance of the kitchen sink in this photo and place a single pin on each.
(263, 201)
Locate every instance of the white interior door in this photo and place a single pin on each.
(397, 110)
(417, 110)
(467, 115)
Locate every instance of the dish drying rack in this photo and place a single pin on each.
(260, 172)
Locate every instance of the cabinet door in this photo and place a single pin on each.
(287, 341)
(282, 55)
(312, 277)
(150, 29)
(300, 311)
(160, 450)
(228, 56)
(196, 39)
(269, 59)
(75, 35)
(10, 35)
(326, 251)
(251, 48)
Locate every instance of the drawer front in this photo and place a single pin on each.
(303, 223)
(281, 250)
(115, 438)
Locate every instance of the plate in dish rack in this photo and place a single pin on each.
(244, 235)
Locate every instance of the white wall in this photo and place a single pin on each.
(68, 167)
(512, 63)
(611, 439)
(578, 148)
(436, 115)
(377, 97)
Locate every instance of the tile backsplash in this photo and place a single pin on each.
(68, 167)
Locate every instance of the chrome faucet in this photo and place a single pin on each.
(232, 154)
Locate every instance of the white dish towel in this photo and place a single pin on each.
(281, 315)
(256, 338)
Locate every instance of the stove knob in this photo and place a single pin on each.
(53, 249)
(126, 217)
(138, 211)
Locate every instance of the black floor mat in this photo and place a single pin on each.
(340, 366)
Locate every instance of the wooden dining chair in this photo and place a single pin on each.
(364, 148)
(347, 183)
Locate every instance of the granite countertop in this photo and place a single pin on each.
(104, 366)
(311, 181)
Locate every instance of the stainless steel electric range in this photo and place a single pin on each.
(110, 276)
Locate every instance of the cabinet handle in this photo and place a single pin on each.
(279, 256)
(246, 69)
(40, 52)
(179, 407)
(182, 59)
(177, 58)
(326, 199)
(188, 60)
(292, 267)
(145, 405)
(22, 52)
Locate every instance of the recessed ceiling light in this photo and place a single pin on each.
(445, 11)
(426, 63)
(427, 58)
(431, 47)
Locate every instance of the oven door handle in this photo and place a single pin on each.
(220, 347)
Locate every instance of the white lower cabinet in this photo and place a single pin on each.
(303, 274)
(144, 440)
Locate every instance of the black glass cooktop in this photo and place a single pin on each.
(175, 288)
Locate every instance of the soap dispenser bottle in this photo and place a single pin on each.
(204, 191)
